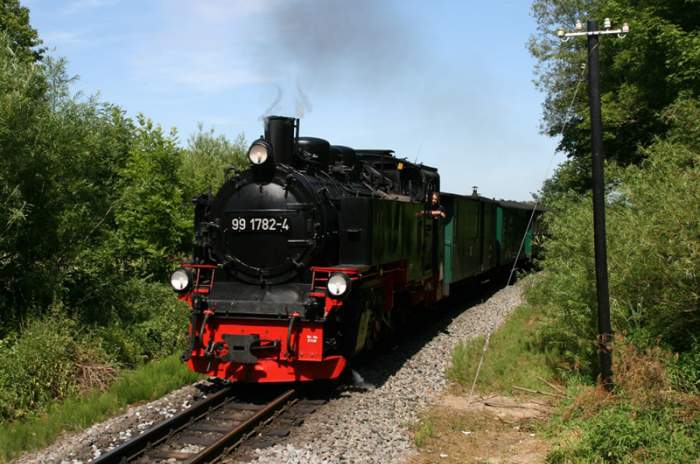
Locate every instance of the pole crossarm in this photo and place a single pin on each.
(587, 33)
(621, 32)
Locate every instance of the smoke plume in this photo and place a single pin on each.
(303, 105)
(333, 37)
(274, 105)
(329, 43)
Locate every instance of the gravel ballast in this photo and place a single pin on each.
(368, 422)
(371, 424)
(84, 446)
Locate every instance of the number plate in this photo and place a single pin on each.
(259, 224)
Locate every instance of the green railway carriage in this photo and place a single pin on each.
(483, 235)
(392, 231)
(512, 222)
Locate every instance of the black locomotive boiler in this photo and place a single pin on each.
(311, 255)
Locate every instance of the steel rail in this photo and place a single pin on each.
(138, 448)
(236, 435)
(156, 435)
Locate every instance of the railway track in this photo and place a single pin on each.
(207, 430)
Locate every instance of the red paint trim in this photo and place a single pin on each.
(199, 266)
(197, 287)
(269, 371)
(305, 363)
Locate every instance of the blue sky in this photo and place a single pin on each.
(446, 82)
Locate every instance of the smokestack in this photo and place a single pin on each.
(279, 131)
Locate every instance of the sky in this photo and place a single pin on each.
(446, 83)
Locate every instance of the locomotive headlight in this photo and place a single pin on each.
(180, 280)
(338, 284)
(259, 152)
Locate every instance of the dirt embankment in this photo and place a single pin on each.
(493, 429)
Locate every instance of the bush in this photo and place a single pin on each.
(94, 209)
(207, 158)
(685, 372)
(621, 433)
(46, 362)
(654, 272)
(644, 421)
(151, 223)
(56, 356)
(653, 259)
(40, 428)
(147, 322)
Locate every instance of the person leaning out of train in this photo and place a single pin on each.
(435, 209)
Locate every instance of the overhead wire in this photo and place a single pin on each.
(491, 328)
(549, 167)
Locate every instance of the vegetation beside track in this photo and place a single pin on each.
(78, 411)
(512, 358)
(651, 109)
(653, 414)
(95, 210)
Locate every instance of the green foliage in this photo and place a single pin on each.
(151, 223)
(653, 254)
(622, 433)
(654, 269)
(685, 372)
(77, 412)
(641, 76)
(654, 272)
(512, 358)
(23, 106)
(143, 322)
(206, 160)
(55, 357)
(95, 209)
(42, 364)
(425, 430)
(23, 39)
(58, 165)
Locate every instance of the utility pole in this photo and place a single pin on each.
(605, 337)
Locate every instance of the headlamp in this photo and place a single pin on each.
(181, 280)
(338, 285)
(259, 152)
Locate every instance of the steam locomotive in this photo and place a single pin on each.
(317, 251)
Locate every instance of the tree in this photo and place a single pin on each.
(25, 177)
(24, 39)
(151, 222)
(206, 159)
(653, 250)
(640, 76)
(92, 212)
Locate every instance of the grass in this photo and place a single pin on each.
(646, 419)
(425, 430)
(623, 433)
(512, 357)
(145, 383)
